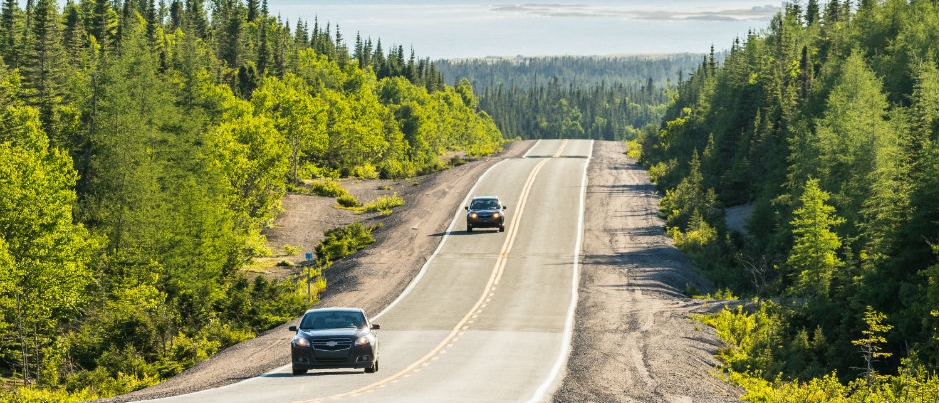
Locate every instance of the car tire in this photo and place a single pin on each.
(469, 228)
(373, 368)
(299, 371)
(501, 228)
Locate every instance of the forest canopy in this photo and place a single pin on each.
(143, 148)
(826, 126)
(599, 97)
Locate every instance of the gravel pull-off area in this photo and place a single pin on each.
(634, 341)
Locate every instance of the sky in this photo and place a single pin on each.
(438, 29)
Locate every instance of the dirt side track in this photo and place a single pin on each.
(633, 339)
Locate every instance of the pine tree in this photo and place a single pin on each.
(812, 13)
(45, 63)
(9, 32)
(253, 12)
(101, 22)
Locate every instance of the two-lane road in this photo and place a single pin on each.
(488, 319)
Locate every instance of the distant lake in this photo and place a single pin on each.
(474, 28)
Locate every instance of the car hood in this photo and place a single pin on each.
(342, 332)
(485, 211)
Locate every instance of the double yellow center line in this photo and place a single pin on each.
(487, 294)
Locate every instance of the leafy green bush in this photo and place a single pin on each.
(389, 169)
(633, 149)
(347, 201)
(29, 394)
(365, 171)
(328, 188)
(457, 161)
(291, 250)
(343, 241)
(383, 205)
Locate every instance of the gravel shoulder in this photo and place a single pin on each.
(633, 339)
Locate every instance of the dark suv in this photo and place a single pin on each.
(485, 212)
(334, 338)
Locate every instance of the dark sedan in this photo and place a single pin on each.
(334, 338)
(485, 212)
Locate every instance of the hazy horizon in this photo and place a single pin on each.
(437, 29)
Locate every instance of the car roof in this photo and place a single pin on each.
(337, 309)
(486, 198)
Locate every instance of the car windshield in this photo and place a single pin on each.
(332, 320)
(489, 204)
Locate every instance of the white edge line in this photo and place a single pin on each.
(404, 293)
(532, 148)
(443, 241)
(420, 274)
(565, 350)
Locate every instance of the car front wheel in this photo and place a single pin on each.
(373, 368)
(501, 228)
(469, 228)
(299, 371)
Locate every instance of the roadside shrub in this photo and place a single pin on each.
(328, 188)
(291, 250)
(367, 171)
(392, 169)
(383, 204)
(347, 200)
(633, 149)
(750, 337)
(343, 241)
(309, 170)
(661, 170)
(457, 161)
(28, 394)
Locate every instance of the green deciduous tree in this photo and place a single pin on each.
(254, 157)
(299, 116)
(44, 254)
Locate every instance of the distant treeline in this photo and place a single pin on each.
(609, 98)
(827, 125)
(143, 148)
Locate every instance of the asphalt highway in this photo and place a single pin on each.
(489, 317)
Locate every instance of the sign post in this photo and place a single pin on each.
(309, 277)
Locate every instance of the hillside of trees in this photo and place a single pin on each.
(143, 149)
(603, 98)
(826, 123)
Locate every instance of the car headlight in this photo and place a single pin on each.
(473, 215)
(495, 215)
(361, 341)
(301, 342)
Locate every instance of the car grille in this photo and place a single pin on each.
(332, 344)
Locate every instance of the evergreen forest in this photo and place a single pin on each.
(601, 98)
(825, 125)
(143, 148)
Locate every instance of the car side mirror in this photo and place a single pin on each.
(376, 326)
(292, 328)
(505, 207)
(466, 208)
